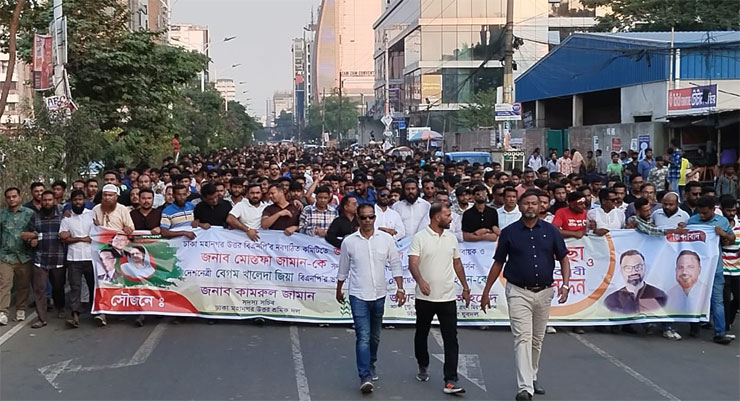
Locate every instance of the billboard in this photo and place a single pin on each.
(43, 69)
(508, 111)
(692, 100)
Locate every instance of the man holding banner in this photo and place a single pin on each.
(364, 255)
(529, 248)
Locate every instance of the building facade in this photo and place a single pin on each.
(191, 37)
(19, 104)
(343, 49)
(227, 89)
(281, 102)
(441, 52)
(300, 79)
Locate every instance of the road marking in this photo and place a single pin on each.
(5, 337)
(52, 372)
(300, 370)
(616, 362)
(468, 365)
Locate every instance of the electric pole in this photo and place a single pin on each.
(509, 53)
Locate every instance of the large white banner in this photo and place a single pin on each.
(622, 277)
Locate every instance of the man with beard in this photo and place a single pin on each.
(636, 296)
(571, 221)
(706, 216)
(528, 248)
(48, 257)
(434, 261)
(691, 194)
(387, 219)
(480, 222)
(544, 213)
(75, 232)
(315, 219)
(670, 215)
(212, 211)
(111, 214)
(414, 212)
(236, 191)
(620, 189)
(362, 192)
(559, 197)
(15, 255)
(178, 217)
(247, 216)
(647, 191)
(689, 293)
(34, 204)
(429, 189)
(528, 182)
(462, 200)
(606, 217)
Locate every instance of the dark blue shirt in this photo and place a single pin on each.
(368, 198)
(529, 254)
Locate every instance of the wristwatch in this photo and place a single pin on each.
(566, 286)
(401, 289)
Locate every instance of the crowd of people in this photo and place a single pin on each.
(333, 194)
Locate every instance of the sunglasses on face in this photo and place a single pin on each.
(371, 217)
(384, 195)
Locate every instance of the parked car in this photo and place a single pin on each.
(471, 157)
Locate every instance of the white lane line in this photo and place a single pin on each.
(5, 337)
(300, 370)
(616, 362)
(148, 346)
(437, 337)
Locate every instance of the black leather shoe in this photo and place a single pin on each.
(538, 389)
(523, 396)
(724, 340)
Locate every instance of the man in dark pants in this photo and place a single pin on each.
(434, 261)
(75, 232)
(529, 247)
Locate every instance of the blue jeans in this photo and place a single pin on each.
(368, 318)
(717, 306)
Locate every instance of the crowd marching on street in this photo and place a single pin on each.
(362, 201)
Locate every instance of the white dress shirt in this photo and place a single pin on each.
(78, 225)
(505, 218)
(614, 220)
(250, 216)
(663, 220)
(363, 261)
(415, 217)
(390, 219)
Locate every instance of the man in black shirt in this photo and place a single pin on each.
(480, 222)
(212, 211)
(636, 181)
(145, 217)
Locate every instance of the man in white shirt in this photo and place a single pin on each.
(247, 216)
(606, 217)
(363, 257)
(509, 212)
(74, 231)
(413, 210)
(434, 262)
(670, 215)
(387, 219)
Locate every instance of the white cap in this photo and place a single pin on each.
(111, 188)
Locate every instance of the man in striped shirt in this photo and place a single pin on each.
(731, 261)
(177, 218)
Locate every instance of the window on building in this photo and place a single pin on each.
(431, 43)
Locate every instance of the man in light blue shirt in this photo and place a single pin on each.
(706, 216)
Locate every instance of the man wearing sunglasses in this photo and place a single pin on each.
(387, 219)
(363, 257)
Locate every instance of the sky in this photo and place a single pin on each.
(264, 31)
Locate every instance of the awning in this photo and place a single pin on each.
(714, 120)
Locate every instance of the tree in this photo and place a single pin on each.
(480, 111)
(240, 126)
(314, 123)
(340, 116)
(285, 126)
(662, 15)
(12, 33)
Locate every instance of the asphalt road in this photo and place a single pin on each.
(278, 361)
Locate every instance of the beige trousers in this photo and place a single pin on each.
(528, 315)
(23, 274)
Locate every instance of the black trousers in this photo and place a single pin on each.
(447, 315)
(731, 295)
(76, 270)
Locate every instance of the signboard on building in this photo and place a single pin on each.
(411, 131)
(508, 111)
(431, 88)
(692, 100)
(43, 69)
(616, 144)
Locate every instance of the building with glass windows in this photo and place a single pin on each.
(441, 52)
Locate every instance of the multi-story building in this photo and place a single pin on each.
(281, 102)
(19, 103)
(139, 14)
(227, 89)
(441, 52)
(191, 37)
(298, 50)
(343, 49)
(158, 16)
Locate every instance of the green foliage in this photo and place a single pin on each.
(340, 116)
(480, 111)
(314, 122)
(661, 15)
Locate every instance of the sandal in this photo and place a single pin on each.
(38, 325)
